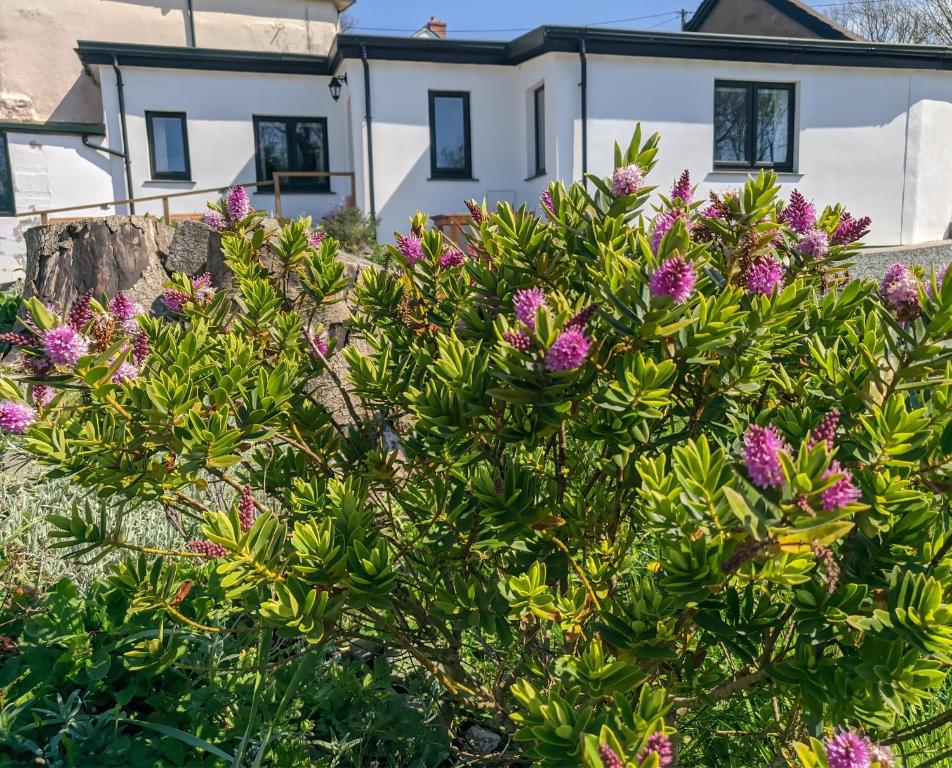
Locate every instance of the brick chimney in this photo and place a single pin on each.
(437, 27)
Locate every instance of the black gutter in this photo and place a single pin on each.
(191, 25)
(368, 117)
(61, 129)
(125, 135)
(178, 57)
(636, 43)
(583, 61)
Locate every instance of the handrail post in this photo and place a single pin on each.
(166, 215)
(44, 219)
(276, 178)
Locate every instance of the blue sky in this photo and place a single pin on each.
(504, 19)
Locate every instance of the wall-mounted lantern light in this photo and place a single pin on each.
(335, 85)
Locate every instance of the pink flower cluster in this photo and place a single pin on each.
(174, 300)
(674, 278)
(64, 345)
(476, 211)
(900, 289)
(15, 417)
(411, 248)
(627, 180)
(451, 258)
(237, 203)
(246, 508)
(320, 342)
(315, 237)
(660, 744)
(825, 431)
(849, 230)
(81, 313)
(847, 749)
(215, 220)
(202, 289)
(525, 304)
(815, 243)
(842, 493)
(568, 351)
(799, 213)
(764, 275)
(126, 311)
(663, 224)
(125, 372)
(208, 549)
(609, 757)
(682, 189)
(762, 449)
(547, 203)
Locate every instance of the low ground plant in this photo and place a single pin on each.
(616, 485)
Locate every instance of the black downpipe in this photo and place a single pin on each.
(125, 134)
(191, 24)
(115, 152)
(584, 62)
(370, 134)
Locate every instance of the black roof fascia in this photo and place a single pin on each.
(623, 42)
(59, 128)
(175, 57)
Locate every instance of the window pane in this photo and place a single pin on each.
(6, 179)
(773, 119)
(169, 144)
(730, 124)
(272, 147)
(540, 130)
(309, 153)
(450, 133)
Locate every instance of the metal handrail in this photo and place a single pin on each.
(166, 213)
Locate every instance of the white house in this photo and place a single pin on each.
(425, 122)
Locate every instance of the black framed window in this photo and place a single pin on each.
(754, 125)
(450, 147)
(7, 205)
(538, 108)
(295, 144)
(168, 145)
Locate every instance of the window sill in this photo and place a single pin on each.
(153, 182)
(286, 192)
(747, 171)
(451, 178)
(537, 175)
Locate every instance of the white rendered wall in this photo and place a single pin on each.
(219, 107)
(850, 134)
(49, 171)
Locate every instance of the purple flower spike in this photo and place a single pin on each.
(202, 289)
(15, 417)
(214, 220)
(799, 215)
(846, 749)
(451, 258)
(762, 449)
(900, 289)
(174, 300)
(476, 211)
(661, 744)
(568, 351)
(412, 249)
(525, 304)
(849, 230)
(43, 395)
(546, 201)
(627, 180)
(825, 431)
(238, 203)
(663, 224)
(207, 549)
(815, 244)
(125, 372)
(246, 508)
(64, 345)
(315, 237)
(609, 757)
(81, 313)
(842, 492)
(764, 275)
(674, 278)
(518, 340)
(320, 341)
(121, 307)
(682, 189)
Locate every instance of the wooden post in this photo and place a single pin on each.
(44, 218)
(277, 195)
(166, 215)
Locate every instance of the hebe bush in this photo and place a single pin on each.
(612, 479)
